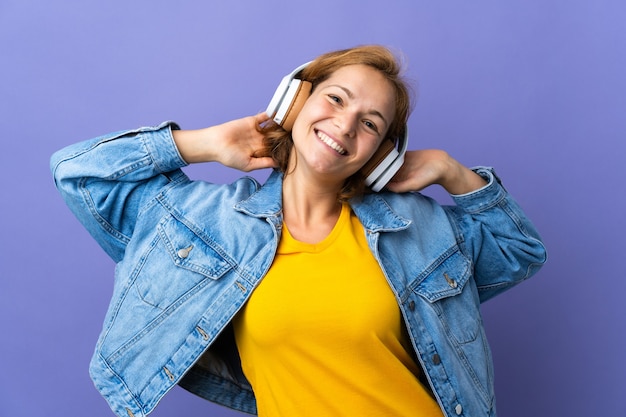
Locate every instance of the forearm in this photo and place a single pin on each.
(459, 180)
(199, 145)
(132, 155)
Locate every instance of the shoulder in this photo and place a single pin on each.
(411, 205)
(389, 211)
(196, 193)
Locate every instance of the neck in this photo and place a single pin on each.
(310, 209)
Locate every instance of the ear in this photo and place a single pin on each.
(303, 93)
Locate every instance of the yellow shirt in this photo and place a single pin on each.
(322, 334)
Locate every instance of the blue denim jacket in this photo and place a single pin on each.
(190, 253)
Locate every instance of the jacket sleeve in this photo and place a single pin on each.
(496, 235)
(107, 181)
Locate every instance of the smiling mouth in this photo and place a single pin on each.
(331, 143)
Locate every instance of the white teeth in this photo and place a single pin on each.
(328, 141)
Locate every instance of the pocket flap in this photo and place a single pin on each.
(446, 278)
(190, 251)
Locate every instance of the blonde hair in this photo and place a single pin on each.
(278, 142)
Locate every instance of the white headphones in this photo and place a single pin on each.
(287, 102)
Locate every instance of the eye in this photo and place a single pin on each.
(335, 98)
(370, 125)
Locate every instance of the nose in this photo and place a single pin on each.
(346, 123)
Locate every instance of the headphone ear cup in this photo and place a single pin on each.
(296, 104)
(368, 170)
(385, 162)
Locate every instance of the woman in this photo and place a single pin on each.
(308, 295)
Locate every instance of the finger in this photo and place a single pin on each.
(261, 163)
(408, 184)
(261, 118)
(396, 186)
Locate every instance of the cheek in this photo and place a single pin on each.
(298, 128)
(301, 118)
(312, 111)
(372, 147)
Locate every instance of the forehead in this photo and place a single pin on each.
(367, 85)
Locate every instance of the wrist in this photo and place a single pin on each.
(195, 146)
(459, 179)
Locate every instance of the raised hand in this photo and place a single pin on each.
(427, 167)
(234, 144)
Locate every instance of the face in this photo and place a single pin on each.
(342, 123)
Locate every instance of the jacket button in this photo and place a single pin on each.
(412, 305)
(458, 409)
(184, 252)
(452, 283)
(436, 359)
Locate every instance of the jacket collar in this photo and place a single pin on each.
(267, 200)
(376, 214)
(373, 210)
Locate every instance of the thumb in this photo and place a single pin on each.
(261, 163)
(261, 118)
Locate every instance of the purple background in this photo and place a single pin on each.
(536, 88)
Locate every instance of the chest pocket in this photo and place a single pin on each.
(448, 287)
(177, 265)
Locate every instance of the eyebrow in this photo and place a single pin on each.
(351, 95)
